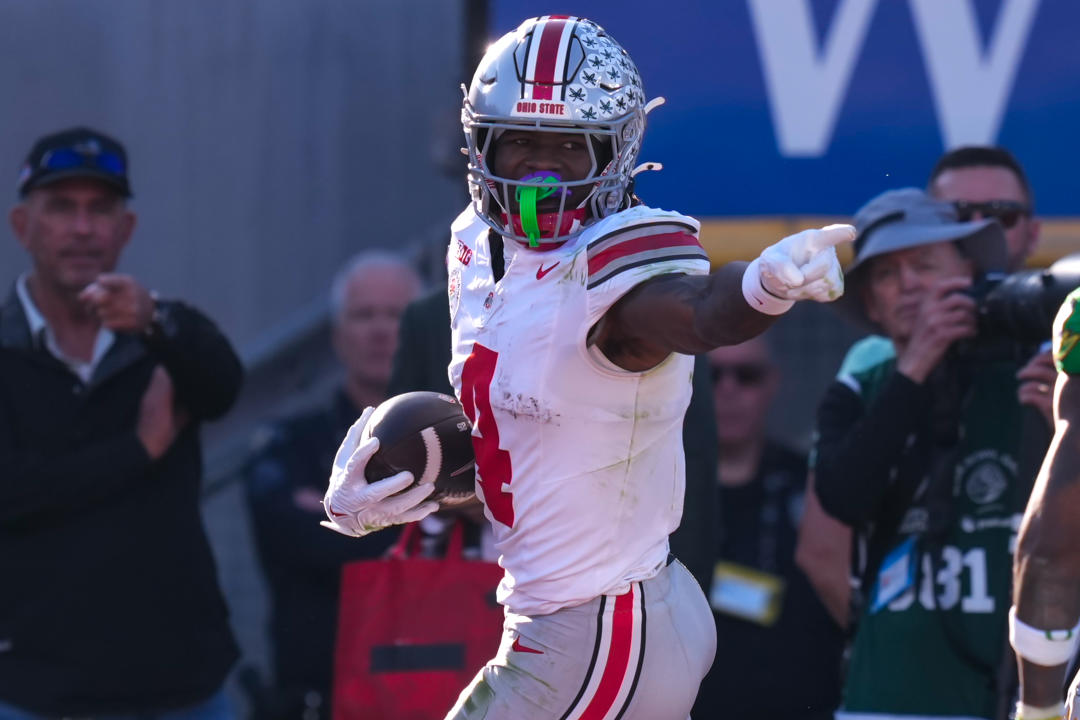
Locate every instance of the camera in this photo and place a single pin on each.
(1022, 306)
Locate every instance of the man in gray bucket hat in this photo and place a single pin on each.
(909, 222)
(917, 452)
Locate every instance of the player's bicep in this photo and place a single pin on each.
(638, 325)
(1062, 464)
(1047, 563)
(678, 313)
(1055, 500)
(1067, 400)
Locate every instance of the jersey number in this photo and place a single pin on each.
(945, 591)
(492, 461)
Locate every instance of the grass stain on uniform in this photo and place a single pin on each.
(478, 702)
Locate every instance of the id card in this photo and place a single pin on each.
(896, 576)
(746, 593)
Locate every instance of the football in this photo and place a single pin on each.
(427, 434)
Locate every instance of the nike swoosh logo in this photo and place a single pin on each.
(521, 648)
(541, 272)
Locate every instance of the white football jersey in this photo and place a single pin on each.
(579, 463)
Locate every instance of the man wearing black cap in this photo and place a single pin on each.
(109, 601)
(917, 453)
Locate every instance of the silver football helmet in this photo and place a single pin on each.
(554, 74)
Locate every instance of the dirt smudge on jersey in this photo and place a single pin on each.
(520, 405)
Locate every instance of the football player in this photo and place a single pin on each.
(1043, 623)
(575, 310)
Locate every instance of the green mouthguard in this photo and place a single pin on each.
(527, 196)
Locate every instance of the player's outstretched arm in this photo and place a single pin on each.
(1046, 573)
(692, 314)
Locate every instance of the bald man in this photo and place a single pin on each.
(286, 480)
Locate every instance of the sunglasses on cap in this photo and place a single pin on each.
(82, 156)
(1007, 212)
(744, 374)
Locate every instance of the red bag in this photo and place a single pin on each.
(413, 632)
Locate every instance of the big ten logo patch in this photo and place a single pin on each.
(984, 476)
(464, 253)
(453, 289)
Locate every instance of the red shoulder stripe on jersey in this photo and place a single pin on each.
(621, 255)
(601, 260)
(640, 229)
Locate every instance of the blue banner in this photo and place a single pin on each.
(795, 107)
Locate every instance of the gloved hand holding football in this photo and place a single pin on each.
(399, 462)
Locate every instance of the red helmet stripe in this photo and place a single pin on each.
(548, 54)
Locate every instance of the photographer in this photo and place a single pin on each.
(918, 454)
(986, 181)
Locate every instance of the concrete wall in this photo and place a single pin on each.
(268, 140)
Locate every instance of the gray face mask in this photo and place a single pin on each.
(553, 75)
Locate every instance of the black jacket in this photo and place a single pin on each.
(108, 591)
(423, 349)
(301, 559)
(803, 645)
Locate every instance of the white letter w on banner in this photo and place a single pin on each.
(971, 87)
(805, 90)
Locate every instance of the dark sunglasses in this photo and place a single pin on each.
(745, 374)
(67, 158)
(1007, 212)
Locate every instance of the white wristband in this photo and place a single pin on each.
(757, 296)
(1048, 648)
(1030, 712)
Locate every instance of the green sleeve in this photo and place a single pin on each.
(866, 353)
(1066, 334)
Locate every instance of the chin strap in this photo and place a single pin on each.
(653, 104)
(646, 167)
(548, 223)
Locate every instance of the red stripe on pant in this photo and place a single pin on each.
(618, 658)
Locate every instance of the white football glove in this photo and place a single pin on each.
(355, 506)
(802, 266)
(1072, 699)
